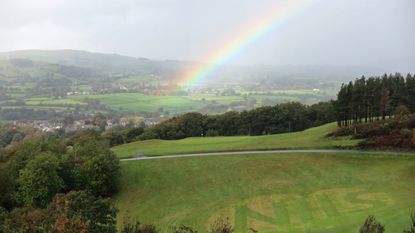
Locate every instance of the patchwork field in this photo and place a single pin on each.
(49, 101)
(203, 102)
(145, 103)
(331, 192)
(313, 138)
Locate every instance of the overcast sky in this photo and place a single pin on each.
(337, 32)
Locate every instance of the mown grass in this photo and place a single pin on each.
(304, 192)
(313, 138)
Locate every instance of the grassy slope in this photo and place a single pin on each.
(281, 192)
(311, 138)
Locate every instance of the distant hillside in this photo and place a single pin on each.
(110, 63)
(114, 64)
(19, 69)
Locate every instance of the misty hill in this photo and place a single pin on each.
(21, 69)
(108, 64)
(119, 65)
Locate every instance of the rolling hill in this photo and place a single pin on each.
(313, 138)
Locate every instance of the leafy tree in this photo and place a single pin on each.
(371, 225)
(78, 210)
(98, 167)
(410, 86)
(21, 154)
(227, 123)
(85, 136)
(3, 217)
(39, 181)
(114, 138)
(26, 220)
(191, 124)
(7, 186)
(133, 134)
(102, 174)
(54, 146)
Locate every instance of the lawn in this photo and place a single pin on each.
(304, 192)
(313, 138)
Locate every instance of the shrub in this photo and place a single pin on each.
(387, 141)
(185, 229)
(406, 133)
(412, 228)
(372, 226)
(221, 226)
(137, 228)
(390, 133)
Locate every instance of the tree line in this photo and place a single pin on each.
(368, 99)
(281, 118)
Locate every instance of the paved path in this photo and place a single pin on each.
(238, 153)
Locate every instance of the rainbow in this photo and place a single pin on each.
(278, 16)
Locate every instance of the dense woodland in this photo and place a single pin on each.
(51, 184)
(374, 98)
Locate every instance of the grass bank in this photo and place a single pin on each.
(313, 138)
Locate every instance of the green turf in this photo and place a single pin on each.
(271, 193)
(312, 138)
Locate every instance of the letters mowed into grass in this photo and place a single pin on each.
(293, 213)
(307, 192)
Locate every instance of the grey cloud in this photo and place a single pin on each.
(340, 32)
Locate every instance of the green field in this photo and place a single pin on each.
(276, 96)
(216, 98)
(50, 101)
(313, 138)
(144, 103)
(35, 107)
(331, 192)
